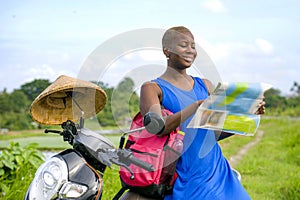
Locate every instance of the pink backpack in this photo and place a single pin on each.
(155, 150)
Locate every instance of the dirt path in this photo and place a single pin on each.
(236, 158)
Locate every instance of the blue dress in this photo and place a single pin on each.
(203, 171)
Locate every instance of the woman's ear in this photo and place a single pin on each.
(166, 52)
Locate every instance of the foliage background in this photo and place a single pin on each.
(14, 109)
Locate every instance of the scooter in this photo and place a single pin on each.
(77, 173)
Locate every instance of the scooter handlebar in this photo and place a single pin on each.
(126, 156)
(141, 163)
(51, 131)
(154, 123)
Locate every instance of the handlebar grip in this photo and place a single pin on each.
(154, 123)
(141, 163)
(51, 131)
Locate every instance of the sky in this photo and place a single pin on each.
(244, 41)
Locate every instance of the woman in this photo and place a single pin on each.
(203, 171)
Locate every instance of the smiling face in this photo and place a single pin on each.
(179, 47)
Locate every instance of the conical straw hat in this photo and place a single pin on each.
(65, 99)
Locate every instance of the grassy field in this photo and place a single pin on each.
(270, 170)
(50, 141)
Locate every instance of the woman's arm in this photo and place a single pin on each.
(150, 101)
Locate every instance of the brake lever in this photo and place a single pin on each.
(107, 156)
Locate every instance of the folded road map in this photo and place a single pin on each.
(231, 108)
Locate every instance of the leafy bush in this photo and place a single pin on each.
(17, 168)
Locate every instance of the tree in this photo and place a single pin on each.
(121, 104)
(34, 88)
(14, 106)
(273, 99)
(278, 105)
(295, 88)
(105, 117)
(126, 85)
(294, 101)
(4, 102)
(19, 101)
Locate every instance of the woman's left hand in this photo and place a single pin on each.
(261, 109)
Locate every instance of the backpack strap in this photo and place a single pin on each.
(120, 193)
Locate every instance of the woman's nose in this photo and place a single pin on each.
(191, 49)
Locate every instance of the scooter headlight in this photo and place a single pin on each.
(51, 182)
(52, 175)
(48, 179)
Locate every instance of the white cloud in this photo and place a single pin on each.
(42, 72)
(46, 72)
(251, 62)
(138, 65)
(65, 57)
(214, 6)
(264, 45)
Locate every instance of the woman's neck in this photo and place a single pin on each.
(179, 78)
(172, 73)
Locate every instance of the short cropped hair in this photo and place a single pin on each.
(171, 33)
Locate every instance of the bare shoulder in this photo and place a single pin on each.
(151, 88)
(149, 85)
(209, 85)
(150, 97)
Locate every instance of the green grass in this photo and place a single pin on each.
(112, 183)
(50, 142)
(45, 142)
(233, 144)
(21, 134)
(271, 170)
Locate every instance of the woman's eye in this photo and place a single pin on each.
(184, 45)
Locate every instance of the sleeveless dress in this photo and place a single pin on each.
(203, 171)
